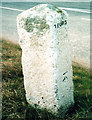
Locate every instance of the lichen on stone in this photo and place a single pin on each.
(36, 22)
(28, 24)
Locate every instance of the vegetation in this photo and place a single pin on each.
(14, 101)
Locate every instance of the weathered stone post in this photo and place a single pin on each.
(46, 58)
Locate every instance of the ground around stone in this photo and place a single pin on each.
(14, 101)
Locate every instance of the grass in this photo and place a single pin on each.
(14, 101)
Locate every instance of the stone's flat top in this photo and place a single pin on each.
(39, 18)
(43, 8)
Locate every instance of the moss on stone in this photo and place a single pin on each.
(60, 11)
(55, 8)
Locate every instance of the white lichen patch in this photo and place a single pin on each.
(46, 58)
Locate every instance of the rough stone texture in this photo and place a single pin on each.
(46, 58)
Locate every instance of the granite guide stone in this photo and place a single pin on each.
(46, 58)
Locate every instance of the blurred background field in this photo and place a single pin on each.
(14, 100)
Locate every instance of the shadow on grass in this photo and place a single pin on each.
(14, 100)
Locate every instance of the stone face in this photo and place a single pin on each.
(46, 58)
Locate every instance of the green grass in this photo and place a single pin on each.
(14, 101)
